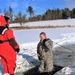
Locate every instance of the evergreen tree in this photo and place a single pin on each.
(73, 13)
(30, 11)
(48, 15)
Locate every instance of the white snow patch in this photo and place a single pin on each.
(70, 70)
(47, 23)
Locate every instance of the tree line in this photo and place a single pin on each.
(50, 14)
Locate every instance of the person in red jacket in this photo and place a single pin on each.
(8, 46)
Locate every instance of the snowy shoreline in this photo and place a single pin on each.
(61, 22)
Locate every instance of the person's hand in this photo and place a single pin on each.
(17, 50)
(40, 57)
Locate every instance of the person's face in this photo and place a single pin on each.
(8, 22)
(42, 37)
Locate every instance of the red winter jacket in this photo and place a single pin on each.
(9, 44)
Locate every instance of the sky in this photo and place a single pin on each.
(39, 6)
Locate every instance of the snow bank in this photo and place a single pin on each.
(27, 58)
(15, 25)
(52, 22)
(61, 22)
(70, 70)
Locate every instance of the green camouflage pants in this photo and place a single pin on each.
(46, 65)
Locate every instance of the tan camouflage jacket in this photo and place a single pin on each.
(44, 49)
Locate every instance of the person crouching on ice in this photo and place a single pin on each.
(44, 51)
(8, 46)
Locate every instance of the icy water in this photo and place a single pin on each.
(62, 58)
(34, 71)
(64, 55)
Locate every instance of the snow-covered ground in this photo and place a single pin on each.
(32, 35)
(28, 40)
(61, 22)
(70, 70)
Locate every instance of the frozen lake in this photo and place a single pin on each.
(32, 35)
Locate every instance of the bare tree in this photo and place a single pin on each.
(19, 18)
(11, 13)
(6, 13)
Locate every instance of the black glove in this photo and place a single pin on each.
(40, 58)
(17, 50)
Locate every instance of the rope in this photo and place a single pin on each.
(64, 47)
(25, 60)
